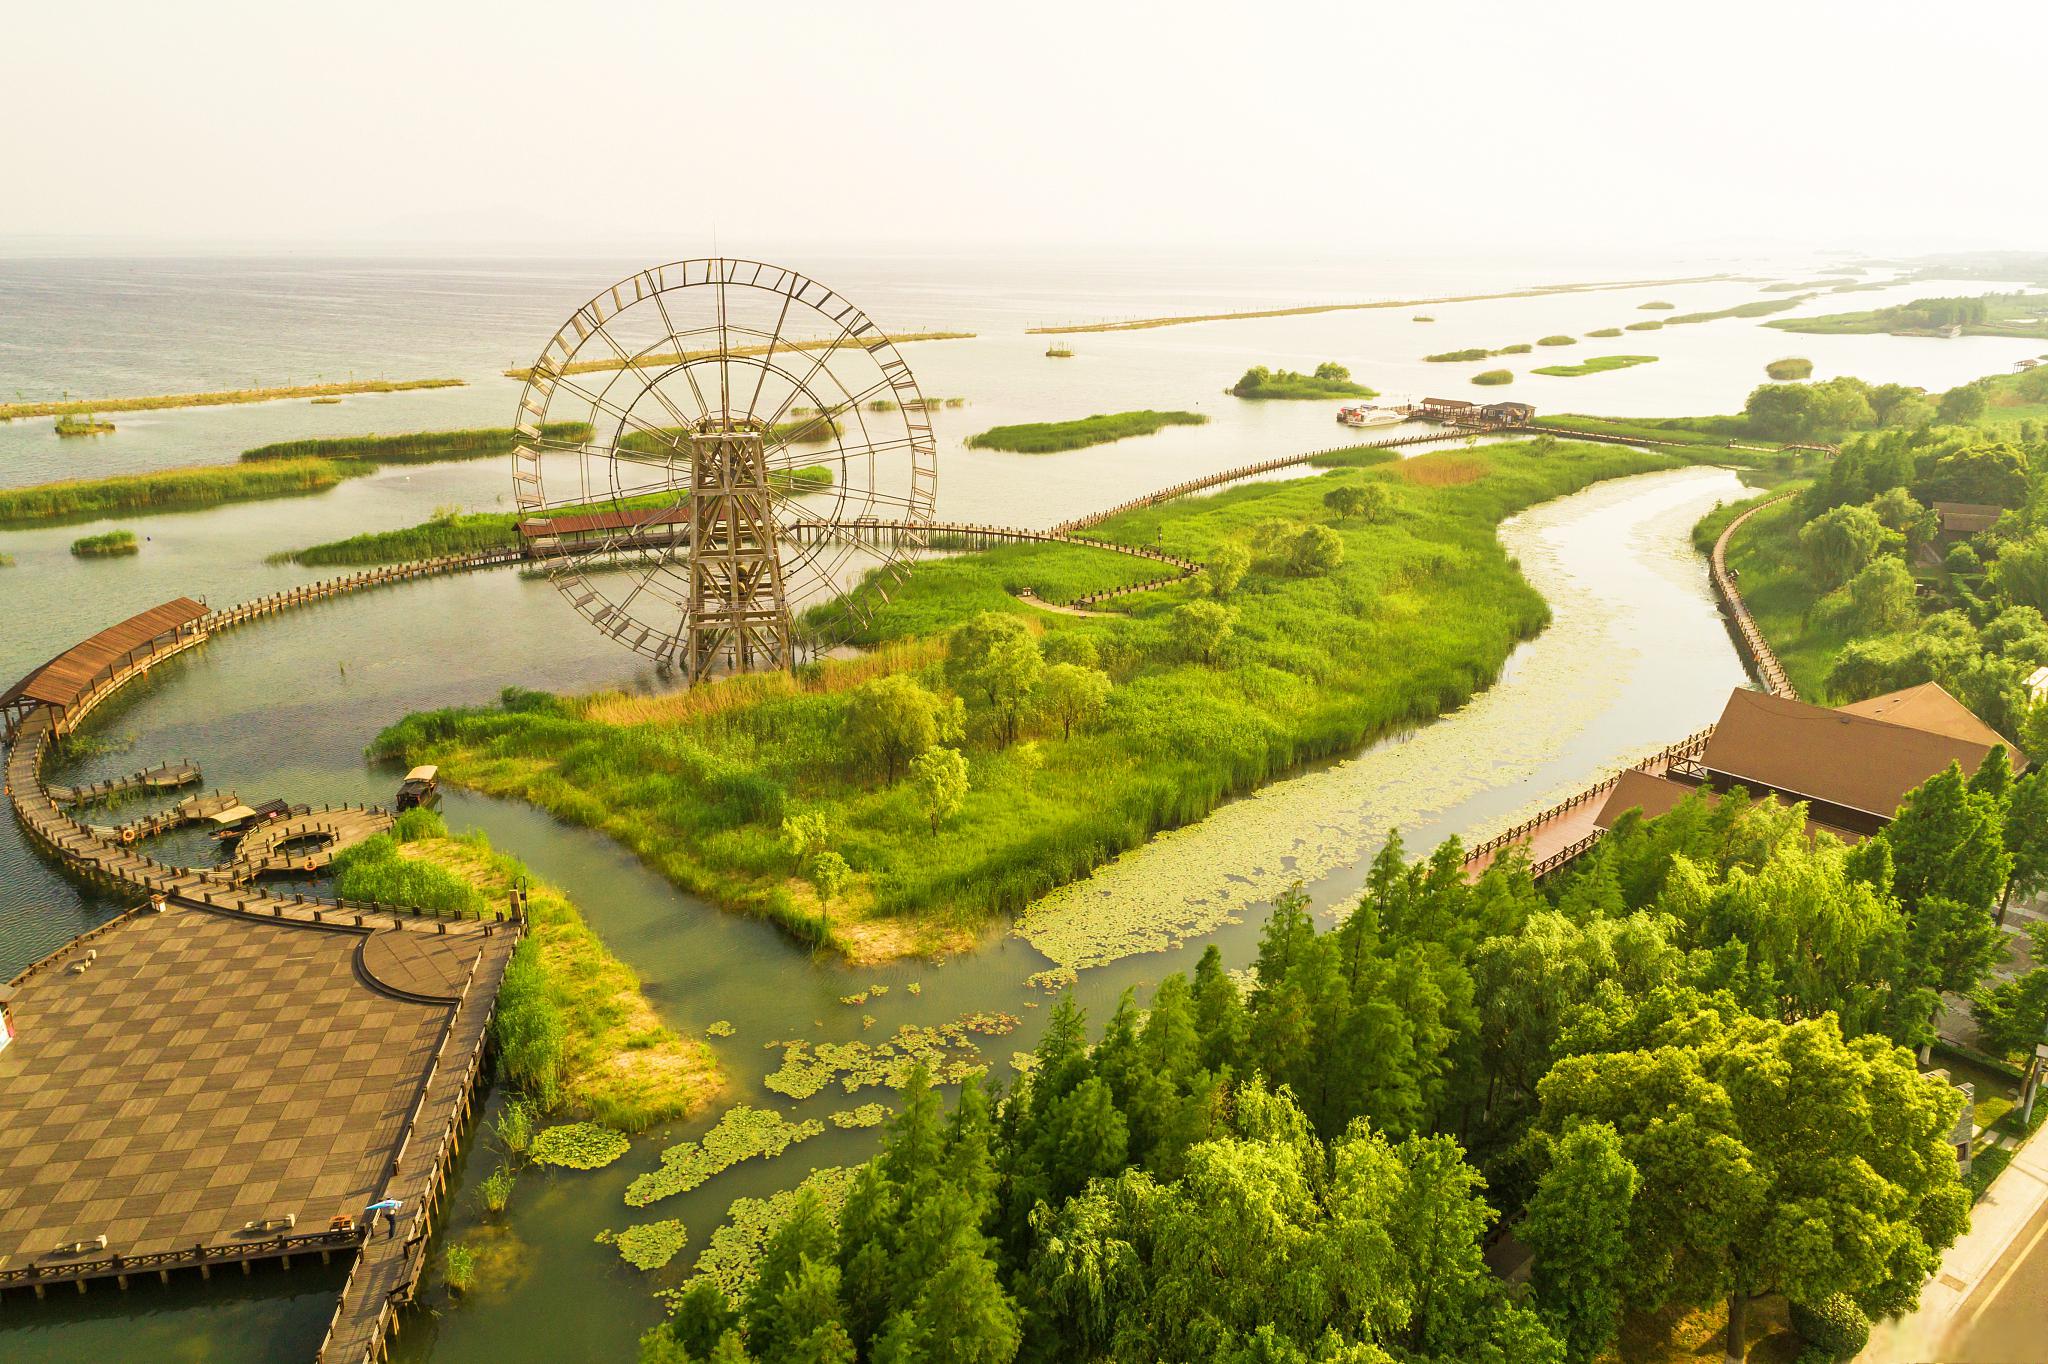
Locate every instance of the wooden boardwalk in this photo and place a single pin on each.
(162, 777)
(267, 850)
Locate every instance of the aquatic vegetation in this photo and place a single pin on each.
(1760, 308)
(1649, 324)
(579, 1146)
(379, 871)
(916, 987)
(458, 1267)
(87, 425)
(9, 411)
(1448, 356)
(864, 1115)
(1795, 367)
(106, 545)
(1421, 318)
(1494, 377)
(1559, 340)
(734, 1254)
(1605, 332)
(6, 561)
(1656, 305)
(418, 447)
(721, 1028)
(496, 1190)
(667, 358)
(948, 1051)
(1039, 438)
(742, 1133)
(1330, 380)
(860, 998)
(167, 490)
(650, 1245)
(1598, 364)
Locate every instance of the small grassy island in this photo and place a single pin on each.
(417, 447)
(1494, 377)
(2019, 315)
(1331, 380)
(1559, 340)
(87, 425)
(1319, 631)
(1795, 367)
(1059, 350)
(169, 490)
(106, 546)
(224, 398)
(1605, 332)
(1598, 364)
(1042, 438)
(1655, 305)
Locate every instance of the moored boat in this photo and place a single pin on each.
(1365, 414)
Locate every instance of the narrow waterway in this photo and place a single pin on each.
(1636, 656)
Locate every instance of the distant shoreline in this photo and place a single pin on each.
(224, 398)
(1141, 324)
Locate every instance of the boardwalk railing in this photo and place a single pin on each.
(1756, 650)
(197, 1256)
(1662, 760)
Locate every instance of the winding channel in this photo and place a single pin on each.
(1636, 655)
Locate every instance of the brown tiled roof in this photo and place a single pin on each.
(1967, 518)
(1656, 796)
(67, 676)
(1836, 756)
(1928, 707)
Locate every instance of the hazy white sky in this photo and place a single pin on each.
(972, 125)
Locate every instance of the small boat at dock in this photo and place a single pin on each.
(1365, 414)
(421, 787)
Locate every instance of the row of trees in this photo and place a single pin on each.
(1834, 408)
(1680, 1072)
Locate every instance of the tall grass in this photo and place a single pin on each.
(223, 398)
(1494, 377)
(1039, 438)
(1597, 364)
(168, 490)
(1420, 615)
(106, 546)
(418, 447)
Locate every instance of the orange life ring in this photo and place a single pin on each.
(128, 835)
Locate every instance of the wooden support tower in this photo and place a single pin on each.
(738, 616)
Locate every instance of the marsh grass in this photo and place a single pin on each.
(1494, 377)
(418, 447)
(168, 490)
(106, 546)
(1794, 367)
(1598, 364)
(1420, 615)
(223, 398)
(664, 359)
(1040, 438)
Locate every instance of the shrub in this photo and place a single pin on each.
(419, 822)
(1835, 1324)
(1493, 377)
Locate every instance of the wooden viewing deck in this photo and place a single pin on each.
(162, 777)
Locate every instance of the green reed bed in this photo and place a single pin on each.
(168, 490)
(417, 447)
(110, 545)
(1493, 378)
(223, 398)
(1041, 438)
(1597, 364)
(1420, 614)
(1792, 367)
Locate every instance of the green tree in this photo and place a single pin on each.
(1578, 1226)
(939, 776)
(892, 719)
(1839, 542)
(1227, 565)
(1963, 406)
(1881, 596)
(1345, 501)
(2012, 1015)
(1950, 842)
(1317, 551)
(1070, 646)
(828, 874)
(1774, 1158)
(1898, 511)
(2026, 839)
(1070, 694)
(807, 1239)
(2021, 571)
(1331, 370)
(1200, 628)
(994, 656)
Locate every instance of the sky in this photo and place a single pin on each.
(1590, 128)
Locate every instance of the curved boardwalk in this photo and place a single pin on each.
(1559, 834)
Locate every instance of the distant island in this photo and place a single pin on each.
(2019, 315)
(1331, 380)
(1597, 364)
(112, 543)
(1044, 438)
(88, 425)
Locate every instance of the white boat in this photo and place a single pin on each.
(1365, 414)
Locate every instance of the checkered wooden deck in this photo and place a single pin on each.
(202, 1073)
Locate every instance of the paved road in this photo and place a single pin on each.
(2006, 1320)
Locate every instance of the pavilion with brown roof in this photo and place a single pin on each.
(1852, 766)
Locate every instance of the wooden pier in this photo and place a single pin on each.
(162, 777)
(267, 850)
